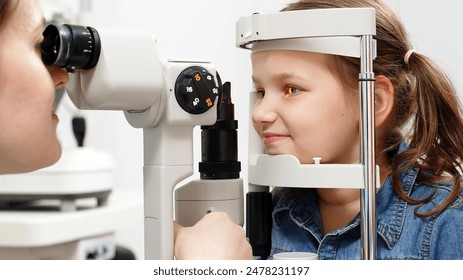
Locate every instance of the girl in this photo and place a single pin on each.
(307, 106)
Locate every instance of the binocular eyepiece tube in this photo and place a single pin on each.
(71, 46)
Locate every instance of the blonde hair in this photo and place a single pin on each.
(424, 98)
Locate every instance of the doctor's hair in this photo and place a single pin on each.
(426, 110)
(3, 8)
(6, 7)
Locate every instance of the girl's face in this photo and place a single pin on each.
(27, 88)
(303, 109)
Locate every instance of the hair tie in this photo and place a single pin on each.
(407, 55)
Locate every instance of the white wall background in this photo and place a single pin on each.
(205, 29)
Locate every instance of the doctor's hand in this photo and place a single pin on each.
(215, 236)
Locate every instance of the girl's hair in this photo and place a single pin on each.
(425, 102)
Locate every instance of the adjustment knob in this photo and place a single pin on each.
(195, 90)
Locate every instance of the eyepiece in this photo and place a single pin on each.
(71, 46)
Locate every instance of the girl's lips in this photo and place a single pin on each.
(269, 139)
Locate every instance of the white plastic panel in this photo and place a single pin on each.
(345, 46)
(305, 23)
(286, 171)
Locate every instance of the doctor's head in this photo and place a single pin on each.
(27, 87)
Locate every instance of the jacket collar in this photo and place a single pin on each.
(392, 208)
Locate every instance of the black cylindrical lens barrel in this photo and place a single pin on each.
(71, 46)
(219, 142)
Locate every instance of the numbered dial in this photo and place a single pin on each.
(195, 90)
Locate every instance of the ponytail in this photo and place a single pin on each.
(436, 142)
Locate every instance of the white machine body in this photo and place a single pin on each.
(131, 77)
(80, 173)
(200, 197)
(40, 231)
(128, 77)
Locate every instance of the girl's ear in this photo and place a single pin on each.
(384, 99)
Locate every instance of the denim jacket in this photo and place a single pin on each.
(401, 234)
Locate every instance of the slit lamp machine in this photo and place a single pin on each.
(121, 70)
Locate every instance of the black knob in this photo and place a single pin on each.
(78, 127)
(195, 90)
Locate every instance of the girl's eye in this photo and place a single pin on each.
(290, 90)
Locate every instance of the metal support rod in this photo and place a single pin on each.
(367, 147)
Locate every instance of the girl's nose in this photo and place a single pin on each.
(265, 110)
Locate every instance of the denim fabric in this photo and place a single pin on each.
(297, 225)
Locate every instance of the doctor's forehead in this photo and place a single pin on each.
(26, 16)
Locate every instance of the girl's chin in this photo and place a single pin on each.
(274, 151)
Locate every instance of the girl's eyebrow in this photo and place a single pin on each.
(281, 76)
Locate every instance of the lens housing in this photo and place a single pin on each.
(71, 46)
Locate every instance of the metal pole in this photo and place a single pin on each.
(367, 147)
